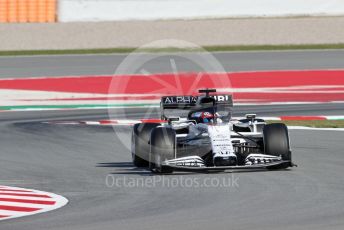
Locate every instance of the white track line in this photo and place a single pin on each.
(316, 129)
(132, 122)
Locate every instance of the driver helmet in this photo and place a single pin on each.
(203, 117)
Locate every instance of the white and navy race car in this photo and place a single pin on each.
(196, 133)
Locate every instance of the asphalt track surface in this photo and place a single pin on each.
(33, 66)
(76, 162)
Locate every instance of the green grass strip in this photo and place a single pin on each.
(174, 50)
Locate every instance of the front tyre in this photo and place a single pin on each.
(163, 147)
(139, 143)
(276, 143)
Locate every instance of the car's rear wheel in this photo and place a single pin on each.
(163, 147)
(276, 143)
(140, 147)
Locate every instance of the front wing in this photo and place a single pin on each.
(224, 168)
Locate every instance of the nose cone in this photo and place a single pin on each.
(225, 161)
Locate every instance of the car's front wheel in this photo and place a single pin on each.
(163, 147)
(139, 143)
(276, 143)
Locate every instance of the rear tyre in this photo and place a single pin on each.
(276, 143)
(140, 147)
(163, 147)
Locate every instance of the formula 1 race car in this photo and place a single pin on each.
(197, 133)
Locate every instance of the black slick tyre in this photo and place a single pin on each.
(163, 147)
(276, 143)
(140, 147)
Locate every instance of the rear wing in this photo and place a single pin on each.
(189, 103)
(176, 102)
